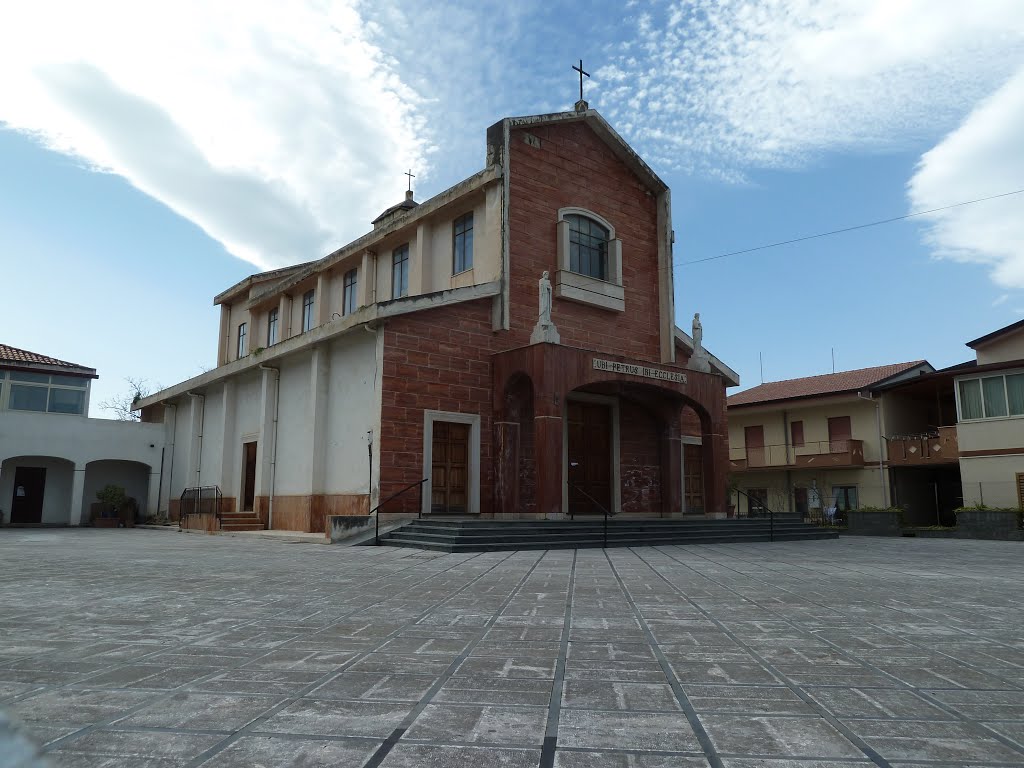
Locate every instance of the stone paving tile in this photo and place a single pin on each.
(425, 756)
(592, 694)
(320, 654)
(279, 752)
(128, 748)
(201, 711)
(480, 725)
(584, 759)
(651, 731)
(943, 741)
(777, 736)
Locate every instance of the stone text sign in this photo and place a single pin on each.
(638, 370)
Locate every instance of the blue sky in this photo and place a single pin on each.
(152, 160)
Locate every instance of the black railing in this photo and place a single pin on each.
(376, 511)
(204, 499)
(755, 503)
(597, 504)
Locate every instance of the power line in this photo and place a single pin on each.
(851, 229)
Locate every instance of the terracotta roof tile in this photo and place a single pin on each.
(13, 355)
(827, 384)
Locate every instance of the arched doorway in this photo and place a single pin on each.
(133, 476)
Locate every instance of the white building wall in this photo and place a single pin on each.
(212, 446)
(294, 461)
(66, 445)
(352, 412)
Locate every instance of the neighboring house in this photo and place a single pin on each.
(53, 458)
(807, 446)
(927, 441)
(430, 348)
(961, 440)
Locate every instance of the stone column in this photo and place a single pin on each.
(322, 303)
(195, 436)
(229, 479)
(284, 318)
(316, 414)
(265, 442)
(77, 494)
(671, 463)
(715, 459)
(152, 493)
(506, 451)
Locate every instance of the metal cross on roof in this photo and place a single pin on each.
(411, 176)
(582, 73)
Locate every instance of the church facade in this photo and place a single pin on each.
(509, 342)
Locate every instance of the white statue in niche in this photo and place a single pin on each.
(544, 331)
(699, 360)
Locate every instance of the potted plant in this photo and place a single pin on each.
(112, 498)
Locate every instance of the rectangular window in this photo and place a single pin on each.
(462, 244)
(67, 401)
(970, 399)
(272, 327)
(994, 392)
(240, 351)
(348, 303)
(400, 271)
(796, 430)
(844, 497)
(27, 398)
(1015, 393)
(307, 310)
(42, 392)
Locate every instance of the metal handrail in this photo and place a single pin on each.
(196, 492)
(376, 511)
(599, 505)
(765, 507)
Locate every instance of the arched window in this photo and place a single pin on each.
(588, 247)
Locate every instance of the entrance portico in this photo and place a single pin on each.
(551, 401)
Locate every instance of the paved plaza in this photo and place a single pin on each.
(146, 648)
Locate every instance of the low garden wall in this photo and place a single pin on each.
(874, 522)
(988, 523)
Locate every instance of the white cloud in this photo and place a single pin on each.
(272, 126)
(982, 157)
(721, 87)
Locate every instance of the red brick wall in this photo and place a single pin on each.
(639, 460)
(437, 359)
(574, 168)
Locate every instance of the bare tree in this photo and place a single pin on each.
(122, 404)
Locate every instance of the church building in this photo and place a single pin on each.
(505, 348)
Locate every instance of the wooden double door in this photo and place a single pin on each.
(449, 477)
(589, 454)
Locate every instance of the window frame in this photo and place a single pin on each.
(462, 262)
(593, 252)
(608, 293)
(400, 261)
(11, 382)
(273, 324)
(349, 297)
(793, 429)
(241, 349)
(308, 305)
(983, 400)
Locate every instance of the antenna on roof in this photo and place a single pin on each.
(833, 359)
(760, 358)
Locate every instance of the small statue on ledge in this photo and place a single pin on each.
(699, 360)
(544, 331)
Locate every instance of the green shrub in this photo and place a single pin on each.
(114, 495)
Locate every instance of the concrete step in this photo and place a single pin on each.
(229, 525)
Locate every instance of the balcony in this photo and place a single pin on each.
(927, 449)
(824, 454)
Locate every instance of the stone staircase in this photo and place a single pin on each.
(240, 521)
(474, 535)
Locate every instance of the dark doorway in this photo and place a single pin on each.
(27, 502)
(248, 476)
(839, 434)
(757, 502)
(800, 501)
(753, 438)
(590, 458)
(449, 479)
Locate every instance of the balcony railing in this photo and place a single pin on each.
(812, 454)
(939, 446)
